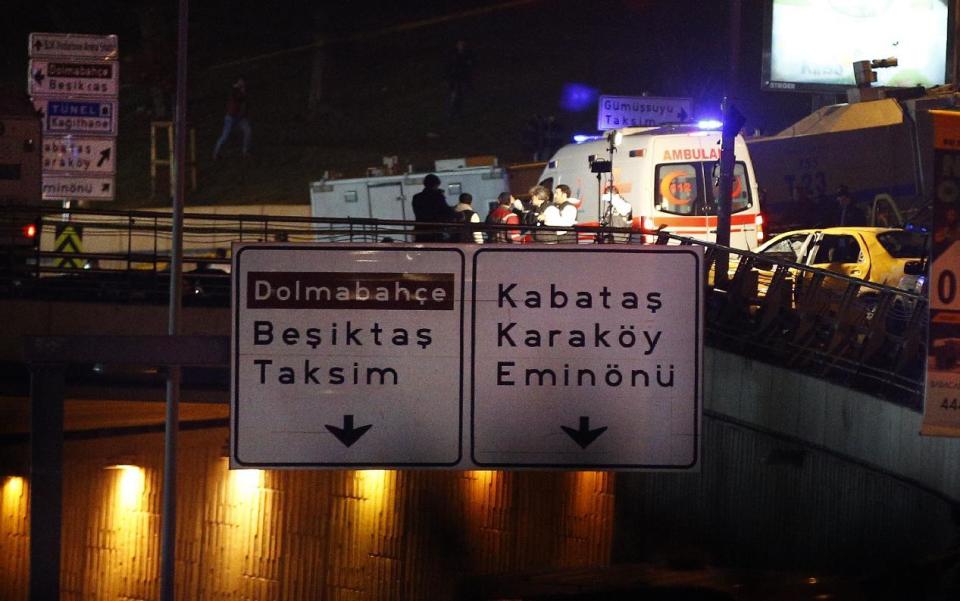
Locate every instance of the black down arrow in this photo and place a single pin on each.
(584, 436)
(348, 434)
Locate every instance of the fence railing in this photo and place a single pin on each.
(854, 332)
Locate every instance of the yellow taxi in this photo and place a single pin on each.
(874, 254)
(878, 255)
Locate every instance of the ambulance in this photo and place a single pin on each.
(668, 174)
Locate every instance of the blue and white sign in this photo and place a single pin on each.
(614, 112)
(59, 116)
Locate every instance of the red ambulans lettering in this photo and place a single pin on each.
(692, 154)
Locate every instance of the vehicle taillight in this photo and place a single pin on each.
(30, 230)
(759, 222)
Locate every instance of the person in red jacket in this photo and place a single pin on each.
(236, 116)
(505, 213)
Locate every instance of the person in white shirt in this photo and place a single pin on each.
(466, 214)
(561, 212)
(619, 213)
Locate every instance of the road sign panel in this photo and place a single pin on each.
(73, 45)
(75, 154)
(591, 360)
(91, 117)
(641, 111)
(347, 356)
(73, 79)
(78, 187)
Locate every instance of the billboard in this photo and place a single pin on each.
(812, 44)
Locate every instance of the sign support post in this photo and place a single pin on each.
(168, 518)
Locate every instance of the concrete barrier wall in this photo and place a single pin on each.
(851, 423)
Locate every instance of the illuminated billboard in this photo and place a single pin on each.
(812, 44)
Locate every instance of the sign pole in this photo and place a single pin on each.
(169, 509)
(726, 176)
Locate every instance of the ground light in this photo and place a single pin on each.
(14, 533)
(245, 484)
(12, 489)
(241, 501)
(127, 533)
(129, 486)
(374, 486)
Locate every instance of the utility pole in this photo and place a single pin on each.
(168, 515)
(732, 122)
(731, 126)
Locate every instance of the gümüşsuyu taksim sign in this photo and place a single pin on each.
(466, 356)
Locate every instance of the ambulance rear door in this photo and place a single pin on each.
(685, 191)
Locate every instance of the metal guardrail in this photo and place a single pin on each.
(853, 332)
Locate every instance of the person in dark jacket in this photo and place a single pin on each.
(430, 206)
(848, 213)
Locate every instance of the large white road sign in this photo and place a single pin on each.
(467, 357)
(587, 357)
(347, 356)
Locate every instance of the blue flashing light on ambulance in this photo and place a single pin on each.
(668, 174)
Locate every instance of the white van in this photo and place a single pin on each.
(668, 176)
(389, 196)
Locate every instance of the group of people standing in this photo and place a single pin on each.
(556, 208)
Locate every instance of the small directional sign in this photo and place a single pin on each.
(82, 117)
(347, 356)
(614, 112)
(78, 187)
(74, 154)
(73, 46)
(74, 79)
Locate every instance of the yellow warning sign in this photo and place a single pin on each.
(69, 240)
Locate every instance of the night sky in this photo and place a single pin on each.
(383, 77)
(664, 48)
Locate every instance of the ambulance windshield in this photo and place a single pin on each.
(690, 188)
